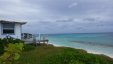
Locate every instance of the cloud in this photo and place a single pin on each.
(73, 5)
(58, 16)
(16, 9)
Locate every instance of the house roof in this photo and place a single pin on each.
(5, 21)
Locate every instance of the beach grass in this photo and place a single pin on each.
(49, 54)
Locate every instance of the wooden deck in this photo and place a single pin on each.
(36, 40)
(42, 41)
(29, 41)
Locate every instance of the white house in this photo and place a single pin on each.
(11, 28)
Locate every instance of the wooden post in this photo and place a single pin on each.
(34, 40)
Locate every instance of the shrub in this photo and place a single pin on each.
(4, 42)
(28, 47)
(12, 53)
(71, 56)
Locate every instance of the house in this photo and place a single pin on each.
(11, 29)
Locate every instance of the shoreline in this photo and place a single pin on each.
(92, 52)
(88, 51)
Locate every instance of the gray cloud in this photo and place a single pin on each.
(59, 16)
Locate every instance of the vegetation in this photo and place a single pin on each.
(29, 47)
(4, 43)
(10, 50)
(48, 54)
(12, 53)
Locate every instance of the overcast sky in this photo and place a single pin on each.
(60, 16)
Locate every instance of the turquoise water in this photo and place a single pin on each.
(100, 43)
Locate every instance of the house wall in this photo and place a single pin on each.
(17, 32)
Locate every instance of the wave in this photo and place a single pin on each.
(93, 43)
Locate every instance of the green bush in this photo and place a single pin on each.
(48, 54)
(28, 47)
(12, 53)
(71, 56)
(4, 42)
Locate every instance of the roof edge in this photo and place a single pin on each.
(5, 21)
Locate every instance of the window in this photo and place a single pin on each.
(8, 28)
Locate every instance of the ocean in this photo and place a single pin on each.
(97, 43)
